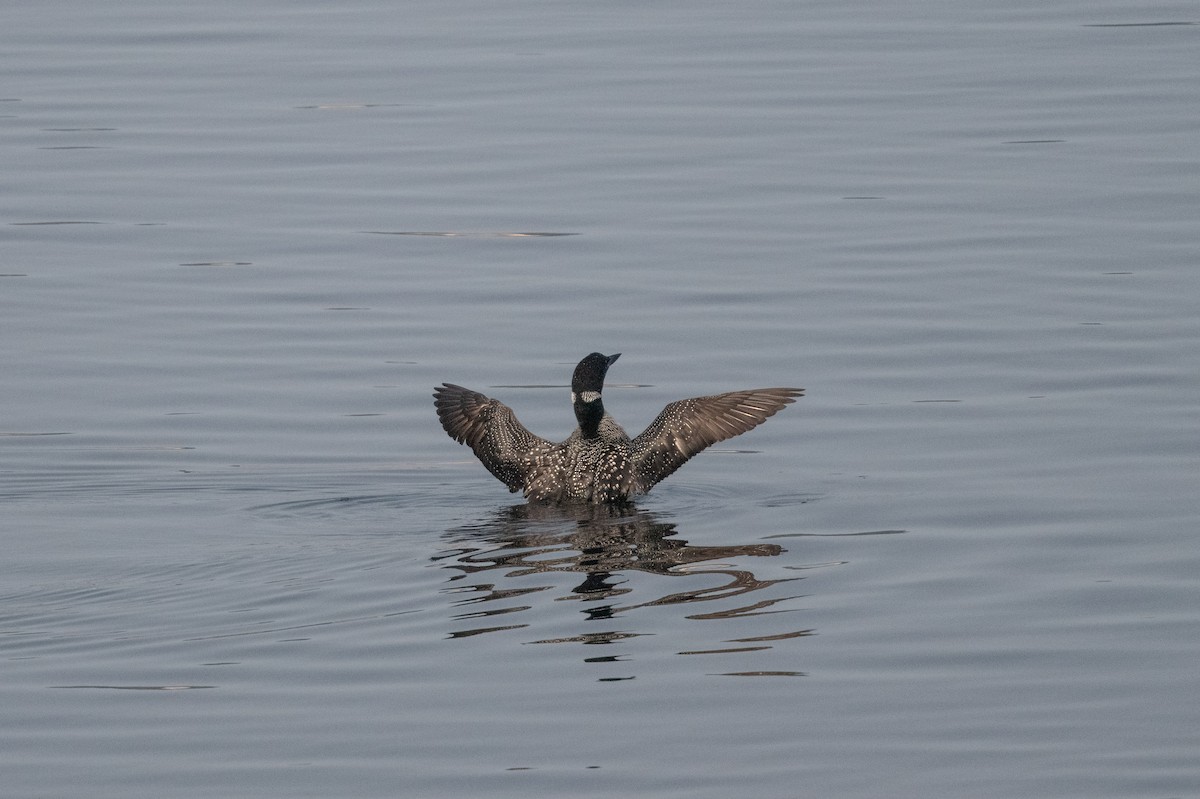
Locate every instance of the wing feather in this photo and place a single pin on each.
(689, 426)
(491, 430)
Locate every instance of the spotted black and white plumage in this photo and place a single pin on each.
(599, 462)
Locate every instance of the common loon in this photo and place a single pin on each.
(599, 462)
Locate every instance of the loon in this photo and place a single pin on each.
(598, 463)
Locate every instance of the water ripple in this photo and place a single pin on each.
(611, 559)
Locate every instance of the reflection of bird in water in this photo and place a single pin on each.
(599, 462)
(599, 542)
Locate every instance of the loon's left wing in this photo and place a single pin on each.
(491, 429)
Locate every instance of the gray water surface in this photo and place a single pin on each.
(241, 244)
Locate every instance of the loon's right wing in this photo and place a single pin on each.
(491, 430)
(688, 426)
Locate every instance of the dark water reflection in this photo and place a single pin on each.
(492, 563)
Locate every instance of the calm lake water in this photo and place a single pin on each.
(242, 242)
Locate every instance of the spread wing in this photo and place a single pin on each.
(689, 426)
(490, 428)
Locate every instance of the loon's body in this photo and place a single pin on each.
(598, 462)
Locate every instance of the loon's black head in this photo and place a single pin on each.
(588, 379)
